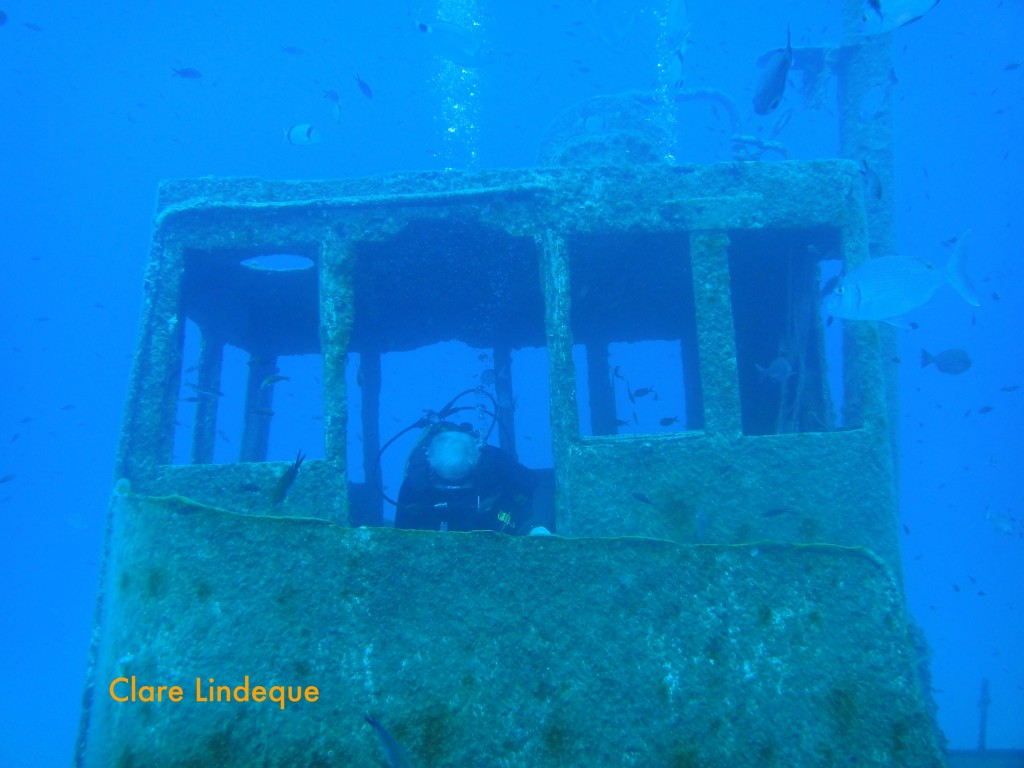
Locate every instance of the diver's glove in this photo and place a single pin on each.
(539, 530)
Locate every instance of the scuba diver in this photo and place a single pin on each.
(454, 481)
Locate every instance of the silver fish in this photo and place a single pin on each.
(302, 134)
(460, 45)
(772, 84)
(778, 370)
(886, 15)
(889, 287)
(393, 751)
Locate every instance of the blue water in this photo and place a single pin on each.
(92, 116)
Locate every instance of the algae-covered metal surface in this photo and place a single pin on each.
(486, 650)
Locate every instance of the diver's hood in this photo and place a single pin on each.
(453, 455)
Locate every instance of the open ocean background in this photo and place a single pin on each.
(92, 117)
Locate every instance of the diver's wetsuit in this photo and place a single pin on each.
(497, 496)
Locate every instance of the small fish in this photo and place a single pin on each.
(393, 751)
(363, 87)
(292, 50)
(668, 420)
(335, 98)
(776, 512)
(621, 422)
(642, 499)
(3, 18)
(644, 392)
(1011, 388)
(617, 372)
(272, 380)
(986, 409)
(6, 479)
(888, 287)
(187, 73)
(249, 487)
(488, 377)
(951, 361)
(771, 85)
(778, 370)
(1012, 66)
(285, 483)
(302, 134)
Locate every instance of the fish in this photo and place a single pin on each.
(272, 380)
(877, 99)
(951, 361)
(204, 391)
(886, 15)
(872, 182)
(3, 18)
(642, 499)
(771, 85)
(302, 134)
(286, 480)
(363, 87)
(460, 45)
(278, 262)
(778, 370)
(292, 50)
(488, 377)
(187, 73)
(335, 98)
(888, 287)
(393, 751)
(6, 478)
(668, 420)
(644, 392)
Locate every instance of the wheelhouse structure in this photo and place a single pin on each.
(726, 519)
